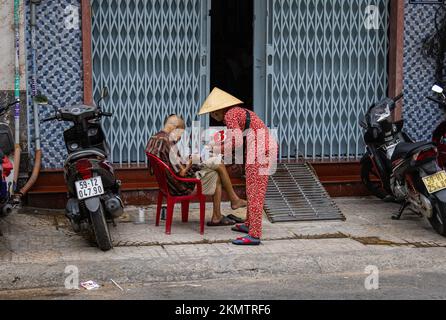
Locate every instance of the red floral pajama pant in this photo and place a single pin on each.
(256, 185)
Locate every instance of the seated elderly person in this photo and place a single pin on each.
(213, 176)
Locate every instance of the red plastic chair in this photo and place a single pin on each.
(160, 169)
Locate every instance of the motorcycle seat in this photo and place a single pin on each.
(405, 149)
(85, 154)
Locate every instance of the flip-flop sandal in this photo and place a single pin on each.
(243, 228)
(242, 207)
(224, 222)
(236, 219)
(247, 241)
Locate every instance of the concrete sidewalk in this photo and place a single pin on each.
(37, 246)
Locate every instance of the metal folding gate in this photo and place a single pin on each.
(324, 67)
(152, 55)
(326, 63)
(296, 194)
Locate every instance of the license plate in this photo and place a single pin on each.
(89, 188)
(435, 182)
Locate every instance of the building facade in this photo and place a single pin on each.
(310, 68)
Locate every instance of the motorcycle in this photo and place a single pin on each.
(381, 138)
(93, 190)
(439, 135)
(6, 166)
(407, 172)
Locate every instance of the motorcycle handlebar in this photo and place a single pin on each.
(12, 104)
(398, 98)
(98, 114)
(49, 119)
(8, 106)
(442, 103)
(106, 114)
(395, 100)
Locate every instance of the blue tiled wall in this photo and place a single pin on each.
(59, 71)
(421, 115)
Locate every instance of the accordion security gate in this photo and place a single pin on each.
(325, 67)
(296, 194)
(152, 55)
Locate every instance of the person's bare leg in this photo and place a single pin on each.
(236, 202)
(216, 216)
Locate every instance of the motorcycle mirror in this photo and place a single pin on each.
(384, 115)
(437, 89)
(41, 100)
(104, 93)
(363, 124)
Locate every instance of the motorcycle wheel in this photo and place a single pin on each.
(367, 174)
(4, 212)
(438, 220)
(101, 231)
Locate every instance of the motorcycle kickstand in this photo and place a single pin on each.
(114, 223)
(398, 215)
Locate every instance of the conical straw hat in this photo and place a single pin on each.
(217, 100)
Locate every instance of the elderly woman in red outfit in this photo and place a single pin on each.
(260, 156)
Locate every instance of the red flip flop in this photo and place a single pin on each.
(247, 241)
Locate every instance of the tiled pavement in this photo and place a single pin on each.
(31, 234)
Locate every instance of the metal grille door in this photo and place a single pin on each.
(152, 55)
(326, 64)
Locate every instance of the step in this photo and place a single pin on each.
(340, 179)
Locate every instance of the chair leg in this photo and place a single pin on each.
(202, 214)
(170, 208)
(185, 211)
(158, 208)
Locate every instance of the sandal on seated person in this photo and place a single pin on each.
(224, 222)
(236, 219)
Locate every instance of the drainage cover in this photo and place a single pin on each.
(296, 194)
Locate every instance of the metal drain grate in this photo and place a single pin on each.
(296, 194)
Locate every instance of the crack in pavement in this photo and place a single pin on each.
(367, 241)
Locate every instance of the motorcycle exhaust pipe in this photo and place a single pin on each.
(114, 207)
